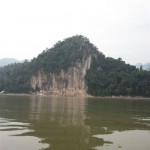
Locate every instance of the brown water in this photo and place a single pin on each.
(55, 123)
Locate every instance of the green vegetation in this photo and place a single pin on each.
(106, 76)
(63, 55)
(113, 77)
(15, 78)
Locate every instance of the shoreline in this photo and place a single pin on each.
(89, 96)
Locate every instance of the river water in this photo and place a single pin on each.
(59, 123)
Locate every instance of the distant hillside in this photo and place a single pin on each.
(144, 66)
(6, 61)
(75, 67)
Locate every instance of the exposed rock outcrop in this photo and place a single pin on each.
(70, 82)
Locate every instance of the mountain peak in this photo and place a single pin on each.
(65, 53)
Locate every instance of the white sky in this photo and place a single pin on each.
(119, 28)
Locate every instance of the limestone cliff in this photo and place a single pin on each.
(75, 67)
(70, 82)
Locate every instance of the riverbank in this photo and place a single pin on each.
(86, 96)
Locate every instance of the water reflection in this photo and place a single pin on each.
(122, 124)
(118, 115)
(63, 121)
(126, 140)
(75, 123)
(11, 136)
(63, 111)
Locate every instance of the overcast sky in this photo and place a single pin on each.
(119, 28)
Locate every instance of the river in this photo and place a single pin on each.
(63, 123)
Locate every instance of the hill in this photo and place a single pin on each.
(75, 67)
(144, 66)
(6, 61)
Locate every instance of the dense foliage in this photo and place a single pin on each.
(109, 76)
(106, 76)
(14, 78)
(63, 55)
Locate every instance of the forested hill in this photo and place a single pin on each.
(6, 61)
(79, 62)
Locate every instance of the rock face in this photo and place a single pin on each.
(70, 82)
